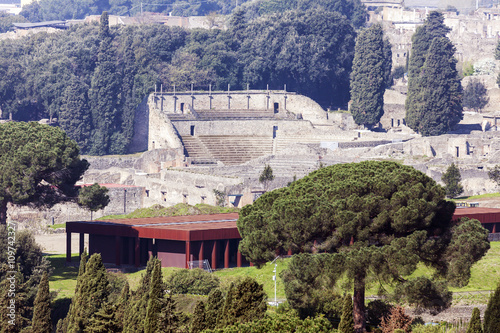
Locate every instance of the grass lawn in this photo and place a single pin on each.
(485, 276)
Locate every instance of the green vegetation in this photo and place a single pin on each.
(475, 325)
(177, 210)
(433, 104)
(40, 166)
(71, 75)
(192, 281)
(93, 198)
(492, 313)
(451, 179)
(368, 220)
(370, 76)
(475, 95)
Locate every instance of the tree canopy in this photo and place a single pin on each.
(39, 166)
(92, 78)
(451, 179)
(434, 99)
(475, 95)
(372, 60)
(368, 219)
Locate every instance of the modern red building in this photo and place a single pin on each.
(175, 240)
(489, 217)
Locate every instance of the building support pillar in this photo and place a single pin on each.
(200, 255)
(82, 244)
(238, 258)
(118, 247)
(214, 255)
(137, 252)
(226, 254)
(188, 252)
(68, 246)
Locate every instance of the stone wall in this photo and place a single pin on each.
(278, 101)
(123, 199)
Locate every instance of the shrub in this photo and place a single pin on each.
(397, 319)
(192, 281)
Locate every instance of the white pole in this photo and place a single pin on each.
(275, 300)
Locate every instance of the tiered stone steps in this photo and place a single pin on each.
(235, 150)
(196, 151)
(240, 114)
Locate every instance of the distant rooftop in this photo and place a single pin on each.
(52, 24)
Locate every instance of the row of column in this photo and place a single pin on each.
(214, 251)
(134, 249)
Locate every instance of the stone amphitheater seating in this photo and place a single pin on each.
(243, 114)
(196, 151)
(230, 150)
(234, 150)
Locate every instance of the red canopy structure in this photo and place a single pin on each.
(175, 240)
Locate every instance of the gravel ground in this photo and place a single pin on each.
(56, 243)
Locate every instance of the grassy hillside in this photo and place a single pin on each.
(485, 275)
(179, 209)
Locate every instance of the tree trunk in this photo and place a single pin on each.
(3, 212)
(359, 303)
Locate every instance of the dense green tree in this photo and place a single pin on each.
(369, 76)
(492, 313)
(104, 89)
(104, 321)
(169, 319)
(433, 103)
(41, 322)
(372, 219)
(214, 307)
(309, 287)
(91, 294)
(475, 95)
(192, 281)
(451, 179)
(74, 114)
(309, 51)
(39, 165)
(122, 306)
(347, 320)
(93, 197)
(494, 174)
(198, 321)
(245, 301)
(151, 323)
(475, 325)
(266, 176)
(134, 318)
(281, 323)
(437, 108)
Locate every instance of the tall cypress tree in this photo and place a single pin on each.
(475, 322)
(104, 320)
(437, 108)
(153, 310)
(91, 294)
(492, 313)
(214, 306)
(169, 320)
(198, 321)
(41, 322)
(122, 306)
(346, 319)
(104, 92)
(433, 103)
(74, 115)
(370, 76)
(134, 319)
(451, 179)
